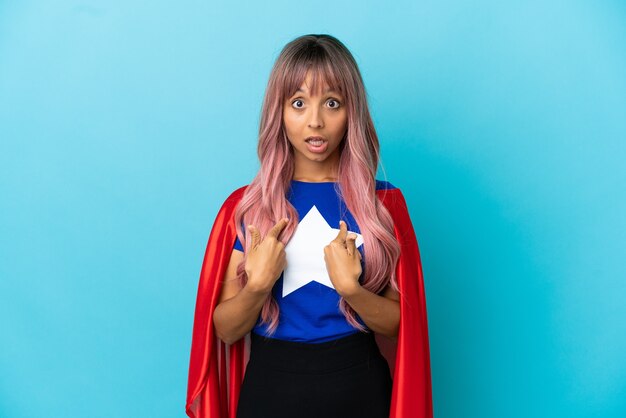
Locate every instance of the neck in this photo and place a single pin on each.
(316, 171)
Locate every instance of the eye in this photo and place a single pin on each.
(337, 104)
(298, 104)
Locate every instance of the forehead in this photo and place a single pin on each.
(315, 82)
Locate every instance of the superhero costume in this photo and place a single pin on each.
(216, 369)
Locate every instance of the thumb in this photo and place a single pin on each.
(256, 236)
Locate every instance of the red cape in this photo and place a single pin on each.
(216, 369)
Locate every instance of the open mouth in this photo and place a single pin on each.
(316, 144)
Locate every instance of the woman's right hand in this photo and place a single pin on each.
(266, 259)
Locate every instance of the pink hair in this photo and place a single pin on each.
(264, 202)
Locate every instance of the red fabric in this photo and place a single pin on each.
(216, 369)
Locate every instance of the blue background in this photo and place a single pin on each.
(125, 124)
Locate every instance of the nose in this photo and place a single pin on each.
(315, 119)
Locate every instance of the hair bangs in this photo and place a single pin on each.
(323, 74)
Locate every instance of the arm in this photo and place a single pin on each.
(343, 262)
(380, 313)
(238, 308)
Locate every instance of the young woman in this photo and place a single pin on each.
(324, 271)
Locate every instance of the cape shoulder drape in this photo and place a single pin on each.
(216, 369)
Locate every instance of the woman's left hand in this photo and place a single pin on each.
(343, 261)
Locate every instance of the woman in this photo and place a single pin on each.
(327, 273)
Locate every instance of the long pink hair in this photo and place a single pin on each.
(264, 202)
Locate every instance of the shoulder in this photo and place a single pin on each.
(384, 185)
(234, 197)
(237, 194)
(391, 196)
(231, 201)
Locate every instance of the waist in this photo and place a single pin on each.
(277, 354)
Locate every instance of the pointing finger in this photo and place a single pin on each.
(276, 229)
(350, 245)
(343, 230)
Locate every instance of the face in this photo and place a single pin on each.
(306, 115)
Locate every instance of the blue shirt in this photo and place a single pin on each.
(308, 302)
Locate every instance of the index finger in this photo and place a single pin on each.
(276, 229)
(350, 244)
(343, 231)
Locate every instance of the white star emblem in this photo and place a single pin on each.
(305, 252)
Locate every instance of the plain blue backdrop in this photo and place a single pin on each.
(125, 124)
